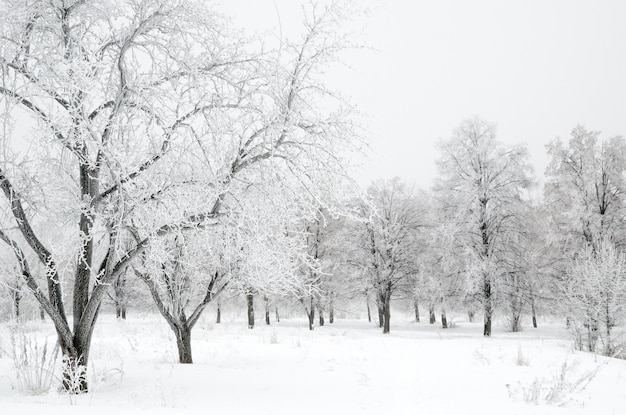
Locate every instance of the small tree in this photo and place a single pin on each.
(595, 296)
(389, 241)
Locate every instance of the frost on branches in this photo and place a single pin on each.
(150, 122)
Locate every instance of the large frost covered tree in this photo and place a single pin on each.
(147, 118)
(584, 195)
(481, 185)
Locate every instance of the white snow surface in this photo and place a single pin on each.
(348, 367)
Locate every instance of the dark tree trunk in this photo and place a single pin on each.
(470, 315)
(311, 315)
(331, 314)
(277, 315)
(74, 379)
(17, 299)
(387, 311)
(267, 310)
(250, 301)
(183, 341)
(42, 313)
(121, 300)
(444, 319)
(431, 314)
(120, 310)
(321, 319)
(488, 306)
(369, 312)
(380, 303)
(534, 312)
(417, 310)
(218, 318)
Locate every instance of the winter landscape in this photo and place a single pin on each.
(282, 207)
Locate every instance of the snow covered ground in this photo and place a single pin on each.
(345, 368)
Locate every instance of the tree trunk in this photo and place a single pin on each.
(369, 312)
(277, 316)
(17, 299)
(118, 309)
(488, 306)
(534, 312)
(331, 314)
(267, 311)
(311, 315)
(121, 297)
(250, 300)
(444, 320)
(417, 310)
(431, 313)
(218, 318)
(74, 372)
(321, 313)
(387, 311)
(380, 303)
(42, 313)
(183, 341)
(470, 315)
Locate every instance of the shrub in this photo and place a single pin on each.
(34, 362)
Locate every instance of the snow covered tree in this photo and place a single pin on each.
(147, 116)
(389, 235)
(595, 296)
(481, 184)
(585, 187)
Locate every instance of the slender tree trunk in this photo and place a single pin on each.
(311, 314)
(488, 306)
(387, 311)
(417, 310)
(444, 319)
(250, 301)
(321, 314)
(470, 315)
(277, 315)
(431, 313)
(121, 300)
(331, 308)
(267, 310)
(369, 312)
(218, 318)
(485, 253)
(380, 303)
(17, 299)
(42, 313)
(534, 312)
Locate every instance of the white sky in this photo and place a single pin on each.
(535, 68)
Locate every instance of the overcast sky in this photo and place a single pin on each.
(535, 68)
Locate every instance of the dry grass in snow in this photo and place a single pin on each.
(348, 367)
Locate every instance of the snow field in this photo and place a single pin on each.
(346, 368)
